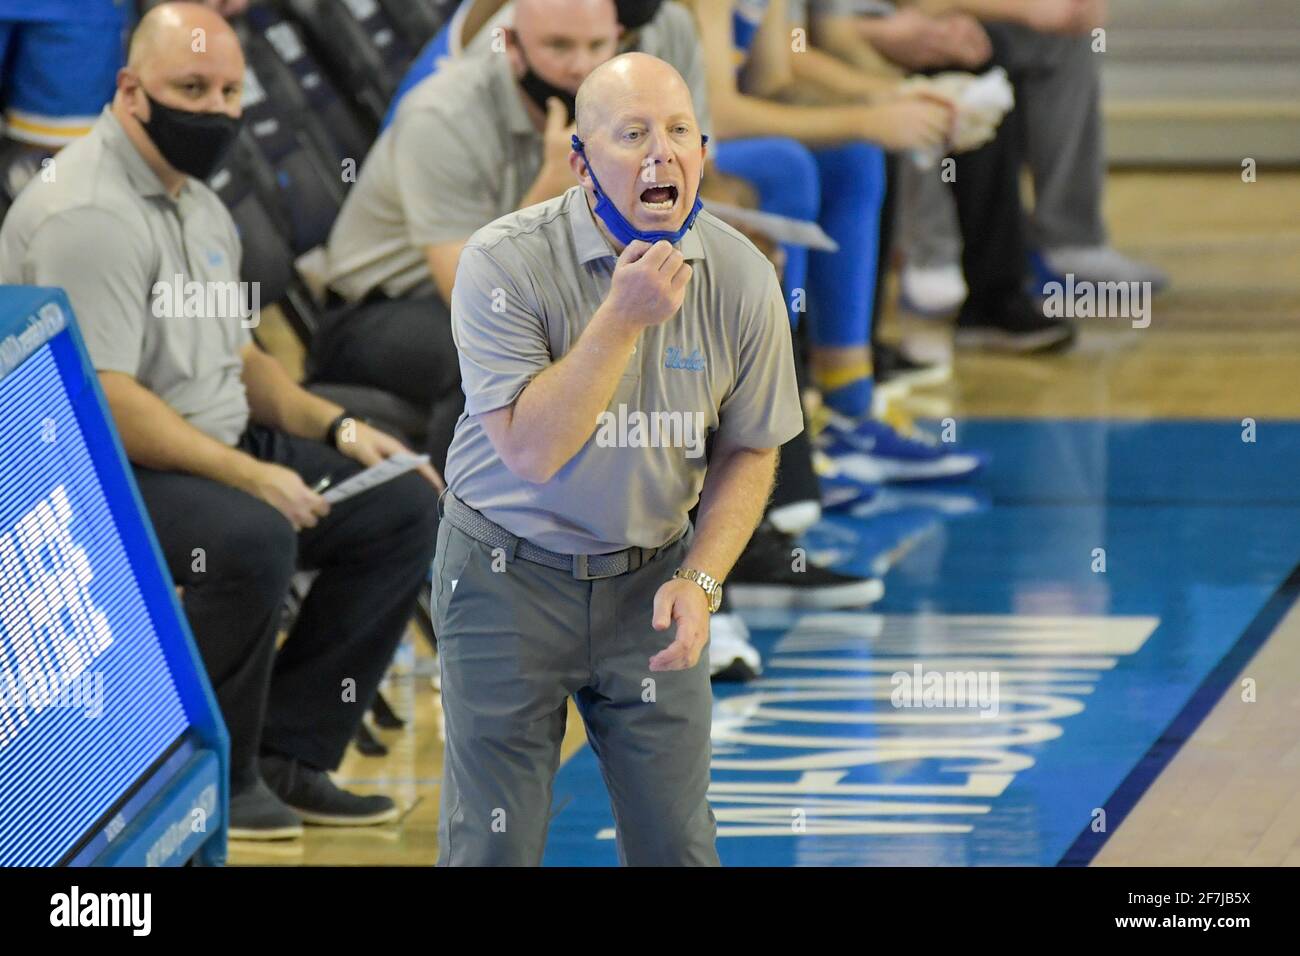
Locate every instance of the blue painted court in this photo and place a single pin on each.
(1090, 674)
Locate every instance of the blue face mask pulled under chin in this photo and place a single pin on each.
(617, 224)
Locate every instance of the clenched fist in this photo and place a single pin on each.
(649, 284)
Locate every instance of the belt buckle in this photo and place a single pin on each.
(582, 573)
(580, 568)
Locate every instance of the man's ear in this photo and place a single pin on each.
(578, 163)
(513, 52)
(131, 90)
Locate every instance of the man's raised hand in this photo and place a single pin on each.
(649, 283)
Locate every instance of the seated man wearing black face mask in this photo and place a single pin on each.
(484, 136)
(662, 28)
(225, 446)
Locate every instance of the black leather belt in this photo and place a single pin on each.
(584, 567)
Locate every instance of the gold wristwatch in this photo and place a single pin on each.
(712, 586)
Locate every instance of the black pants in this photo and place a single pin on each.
(795, 479)
(403, 346)
(987, 189)
(234, 555)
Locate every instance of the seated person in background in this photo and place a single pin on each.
(224, 445)
(1046, 48)
(662, 28)
(996, 312)
(809, 132)
(485, 136)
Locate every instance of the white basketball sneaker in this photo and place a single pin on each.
(731, 656)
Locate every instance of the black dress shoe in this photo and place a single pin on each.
(256, 813)
(1018, 326)
(314, 797)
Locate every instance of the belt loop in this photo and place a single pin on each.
(580, 567)
(514, 547)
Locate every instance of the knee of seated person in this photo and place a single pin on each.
(257, 546)
(410, 506)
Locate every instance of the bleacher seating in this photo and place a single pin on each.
(360, 44)
(419, 20)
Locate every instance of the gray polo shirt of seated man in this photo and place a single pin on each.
(526, 287)
(460, 152)
(105, 230)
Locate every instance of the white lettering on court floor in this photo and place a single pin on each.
(789, 742)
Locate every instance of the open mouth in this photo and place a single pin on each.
(659, 198)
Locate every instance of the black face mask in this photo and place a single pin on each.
(193, 143)
(539, 90)
(634, 14)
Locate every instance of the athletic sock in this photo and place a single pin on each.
(847, 390)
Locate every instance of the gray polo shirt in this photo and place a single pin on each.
(670, 35)
(106, 231)
(460, 152)
(526, 287)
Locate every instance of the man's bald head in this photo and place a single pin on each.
(625, 82)
(641, 141)
(183, 58)
(170, 28)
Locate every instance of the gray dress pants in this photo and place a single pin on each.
(515, 641)
(1058, 105)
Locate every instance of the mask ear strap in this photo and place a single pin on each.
(580, 149)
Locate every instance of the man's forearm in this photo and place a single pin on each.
(849, 83)
(277, 401)
(848, 38)
(736, 116)
(557, 412)
(441, 259)
(1015, 11)
(548, 184)
(156, 437)
(732, 502)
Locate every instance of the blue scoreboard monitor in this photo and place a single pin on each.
(112, 749)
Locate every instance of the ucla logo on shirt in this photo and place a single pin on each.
(673, 358)
(215, 258)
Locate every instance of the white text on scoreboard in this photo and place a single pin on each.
(50, 629)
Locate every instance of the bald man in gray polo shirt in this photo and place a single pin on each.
(593, 370)
(486, 135)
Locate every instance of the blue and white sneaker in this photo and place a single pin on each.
(874, 452)
(838, 489)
